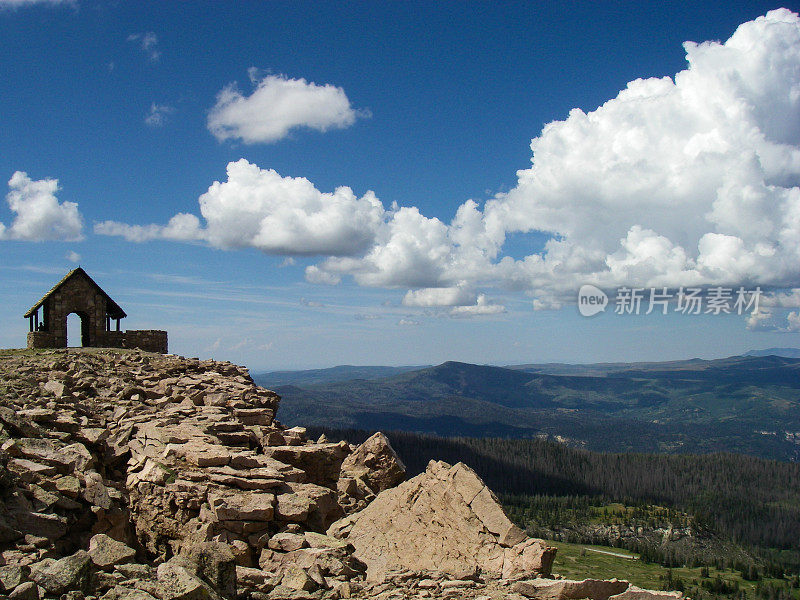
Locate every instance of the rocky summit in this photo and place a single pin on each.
(138, 476)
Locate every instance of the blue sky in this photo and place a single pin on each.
(136, 109)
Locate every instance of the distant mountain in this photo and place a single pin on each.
(785, 352)
(316, 376)
(740, 404)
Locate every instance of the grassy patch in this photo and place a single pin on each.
(577, 561)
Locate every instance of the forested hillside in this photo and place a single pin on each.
(746, 405)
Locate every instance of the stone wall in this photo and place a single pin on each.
(40, 339)
(149, 340)
(112, 339)
(76, 295)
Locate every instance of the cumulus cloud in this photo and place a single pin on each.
(39, 216)
(677, 181)
(148, 43)
(449, 296)
(158, 114)
(767, 320)
(483, 306)
(73, 256)
(787, 299)
(277, 105)
(258, 208)
(793, 321)
(287, 215)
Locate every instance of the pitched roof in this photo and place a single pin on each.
(112, 308)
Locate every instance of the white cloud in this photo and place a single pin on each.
(73, 256)
(408, 322)
(148, 43)
(258, 208)
(23, 3)
(793, 321)
(766, 320)
(449, 296)
(411, 251)
(482, 307)
(287, 215)
(788, 299)
(366, 317)
(39, 216)
(158, 114)
(277, 105)
(674, 182)
(311, 303)
(684, 181)
(760, 321)
(316, 275)
(182, 227)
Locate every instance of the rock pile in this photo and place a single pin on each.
(128, 475)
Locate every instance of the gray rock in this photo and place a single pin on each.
(25, 591)
(67, 574)
(125, 593)
(179, 583)
(56, 388)
(13, 575)
(215, 563)
(107, 552)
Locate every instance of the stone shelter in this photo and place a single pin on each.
(79, 294)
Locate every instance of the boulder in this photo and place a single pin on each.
(56, 388)
(96, 492)
(371, 468)
(125, 593)
(213, 562)
(567, 589)
(296, 578)
(287, 542)
(107, 552)
(637, 593)
(66, 574)
(179, 583)
(243, 506)
(307, 503)
(25, 591)
(446, 520)
(12, 575)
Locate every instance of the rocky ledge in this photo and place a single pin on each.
(128, 475)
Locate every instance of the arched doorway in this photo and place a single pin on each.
(77, 330)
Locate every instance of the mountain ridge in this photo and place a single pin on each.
(738, 404)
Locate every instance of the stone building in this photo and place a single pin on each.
(78, 293)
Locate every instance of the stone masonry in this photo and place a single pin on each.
(78, 293)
